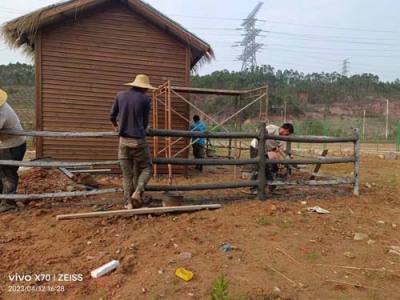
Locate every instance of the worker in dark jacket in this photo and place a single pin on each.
(132, 108)
(12, 147)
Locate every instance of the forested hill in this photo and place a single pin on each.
(319, 87)
(17, 74)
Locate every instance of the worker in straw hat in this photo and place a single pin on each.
(129, 116)
(12, 147)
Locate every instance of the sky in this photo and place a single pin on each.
(304, 35)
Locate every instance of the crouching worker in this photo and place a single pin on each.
(133, 107)
(12, 147)
(273, 147)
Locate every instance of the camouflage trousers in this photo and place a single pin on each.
(9, 174)
(136, 165)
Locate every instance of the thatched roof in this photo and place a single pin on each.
(21, 32)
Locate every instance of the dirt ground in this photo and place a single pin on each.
(275, 249)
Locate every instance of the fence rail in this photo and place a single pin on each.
(260, 160)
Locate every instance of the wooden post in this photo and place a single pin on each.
(356, 190)
(266, 105)
(261, 165)
(39, 95)
(289, 150)
(230, 148)
(318, 166)
(155, 126)
(168, 126)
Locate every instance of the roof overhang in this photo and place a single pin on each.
(21, 32)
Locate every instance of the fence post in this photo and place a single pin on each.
(398, 137)
(229, 148)
(356, 190)
(261, 165)
(326, 130)
(378, 142)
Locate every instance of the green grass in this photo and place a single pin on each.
(220, 286)
(262, 221)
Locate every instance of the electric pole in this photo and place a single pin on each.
(345, 67)
(250, 47)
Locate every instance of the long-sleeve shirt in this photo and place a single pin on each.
(270, 145)
(198, 126)
(9, 120)
(133, 108)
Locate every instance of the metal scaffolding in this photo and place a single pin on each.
(163, 96)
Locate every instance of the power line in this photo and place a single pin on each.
(330, 53)
(336, 28)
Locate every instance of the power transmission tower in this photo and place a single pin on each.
(345, 67)
(250, 47)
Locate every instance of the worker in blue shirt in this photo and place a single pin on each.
(198, 144)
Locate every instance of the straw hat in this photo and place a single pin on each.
(3, 97)
(141, 81)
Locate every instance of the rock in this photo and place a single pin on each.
(359, 236)
(303, 202)
(276, 289)
(391, 251)
(69, 188)
(349, 254)
(86, 179)
(318, 152)
(185, 255)
(246, 175)
(394, 225)
(380, 222)
(347, 152)
(370, 242)
(368, 185)
(390, 156)
(395, 248)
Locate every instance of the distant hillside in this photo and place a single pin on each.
(305, 95)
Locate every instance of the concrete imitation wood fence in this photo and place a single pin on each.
(261, 183)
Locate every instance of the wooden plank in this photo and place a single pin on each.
(139, 211)
(318, 166)
(99, 57)
(126, 41)
(108, 47)
(39, 88)
(66, 172)
(106, 70)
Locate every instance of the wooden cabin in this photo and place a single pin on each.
(84, 53)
